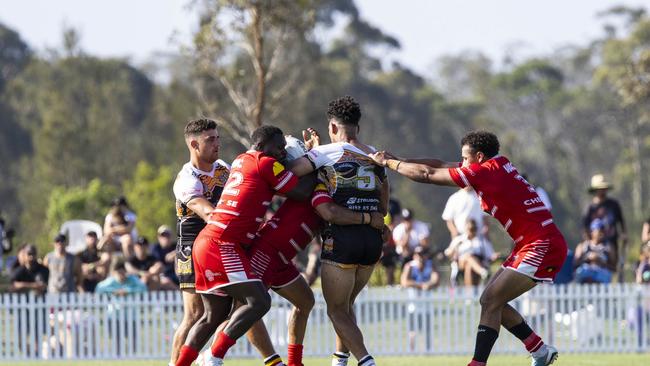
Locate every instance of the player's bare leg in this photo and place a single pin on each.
(192, 311)
(216, 310)
(506, 285)
(342, 354)
(302, 298)
(256, 302)
(259, 337)
(338, 286)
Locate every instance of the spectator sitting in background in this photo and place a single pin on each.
(90, 261)
(119, 282)
(595, 258)
(119, 228)
(30, 275)
(643, 270)
(409, 234)
(645, 232)
(473, 252)
(144, 265)
(420, 272)
(164, 251)
(65, 269)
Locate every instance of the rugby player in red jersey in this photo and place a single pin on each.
(288, 232)
(222, 268)
(539, 251)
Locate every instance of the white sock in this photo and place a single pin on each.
(340, 358)
(367, 360)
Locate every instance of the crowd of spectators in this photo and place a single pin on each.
(119, 263)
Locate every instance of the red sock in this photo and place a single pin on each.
(187, 356)
(294, 355)
(222, 345)
(477, 363)
(533, 342)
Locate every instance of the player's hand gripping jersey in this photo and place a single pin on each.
(288, 232)
(191, 183)
(355, 183)
(540, 249)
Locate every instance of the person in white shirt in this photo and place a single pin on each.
(409, 234)
(461, 206)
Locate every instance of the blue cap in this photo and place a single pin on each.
(597, 224)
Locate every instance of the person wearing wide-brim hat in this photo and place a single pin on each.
(599, 183)
(608, 209)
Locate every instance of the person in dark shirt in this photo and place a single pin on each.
(30, 276)
(144, 264)
(90, 262)
(164, 251)
(609, 211)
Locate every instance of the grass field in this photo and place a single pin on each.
(568, 360)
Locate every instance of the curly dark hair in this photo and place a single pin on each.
(483, 141)
(263, 134)
(196, 126)
(345, 110)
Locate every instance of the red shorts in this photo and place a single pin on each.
(540, 260)
(219, 264)
(269, 265)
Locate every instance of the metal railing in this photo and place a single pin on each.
(575, 318)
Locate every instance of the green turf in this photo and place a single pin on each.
(572, 360)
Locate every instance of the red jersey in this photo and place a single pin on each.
(254, 180)
(508, 197)
(294, 224)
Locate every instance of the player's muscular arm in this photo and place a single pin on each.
(434, 163)
(201, 207)
(301, 166)
(302, 191)
(417, 172)
(339, 215)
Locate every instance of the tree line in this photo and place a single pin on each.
(76, 130)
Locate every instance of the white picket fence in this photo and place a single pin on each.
(588, 318)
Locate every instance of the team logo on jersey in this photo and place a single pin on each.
(277, 168)
(328, 245)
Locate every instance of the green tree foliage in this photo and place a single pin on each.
(150, 195)
(14, 139)
(83, 115)
(67, 118)
(85, 202)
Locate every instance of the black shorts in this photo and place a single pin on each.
(351, 245)
(184, 264)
